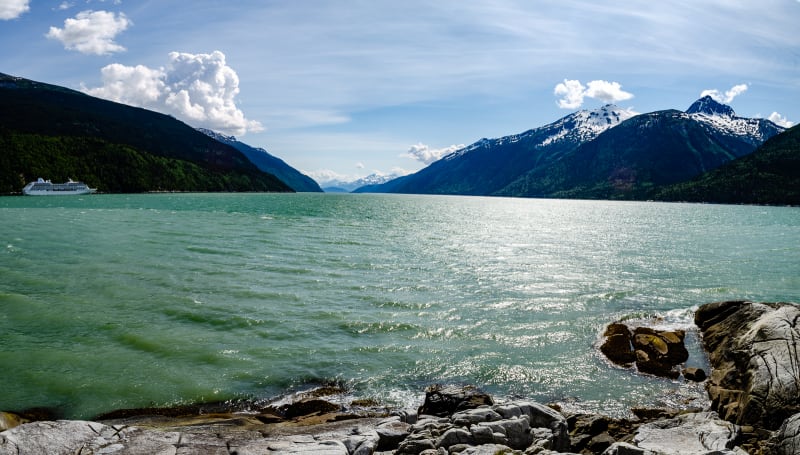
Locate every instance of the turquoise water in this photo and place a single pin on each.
(119, 301)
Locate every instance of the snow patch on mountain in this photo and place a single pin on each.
(344, 185)
(579, 127)
(722, 117)
(585, 125)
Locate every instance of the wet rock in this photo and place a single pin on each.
(755, 377)
(618, 344)
(446, 400)
(308, 406)
(10, 420)
(697, 433)
(694, 374)
(657, 352)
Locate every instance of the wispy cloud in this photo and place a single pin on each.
(572, 92)
(199, 89)
(91, 32)
(423, 153)
(726, 97)
(12, 9)
(778, 119)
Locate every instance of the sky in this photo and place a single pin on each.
(344, 89)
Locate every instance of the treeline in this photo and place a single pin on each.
(770, 175)
(110, 167)
(56, 133)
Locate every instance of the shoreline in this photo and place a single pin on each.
(755, 423)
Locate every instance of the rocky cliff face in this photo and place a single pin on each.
(753, 349)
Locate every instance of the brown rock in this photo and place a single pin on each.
(309, 406)
(658, 351)
(443, 401)
(694, 374)
(617, 346)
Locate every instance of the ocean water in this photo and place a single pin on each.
(121, 301)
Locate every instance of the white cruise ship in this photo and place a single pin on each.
(43, 187)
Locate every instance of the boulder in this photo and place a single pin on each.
(697, 433)
(657, 352)
(308, 406)
(391, 434)
(618, 344)
(515, 432)
(445, 400)
(755, 377)
(694, 374)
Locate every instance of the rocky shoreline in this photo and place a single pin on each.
(753, 385)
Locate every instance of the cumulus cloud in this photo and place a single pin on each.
(778, 119)
(572, 92)
(726, 97)
(427, 155)
(12, 9)
(91, 32)
(199, 89)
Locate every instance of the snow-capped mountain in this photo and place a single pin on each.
(580, 126)
(722, 118)
(607, 153)
(488, 165)
(346, 186)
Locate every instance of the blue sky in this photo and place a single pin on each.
(348, 88)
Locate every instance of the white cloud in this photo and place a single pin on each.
(607, 92)
(91, 32)
(726, 97)
(199, 89)
(778, 119)
(323, 176)
(572, 92)
(427, 155)
(12, 9)
(359, 165)
(65, 6)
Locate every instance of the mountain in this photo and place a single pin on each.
(346, 186)
(770, 175)
(646, 152)
(268, 163)
(489, 165)
(603, 154)
(57, 133)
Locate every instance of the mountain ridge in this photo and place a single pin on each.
(55, 132)
(488, 165)
(627, 157)
(268, 163)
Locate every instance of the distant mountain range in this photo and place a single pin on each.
(273, 165)
(346, 186)
(53, 132)
(608, 153)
